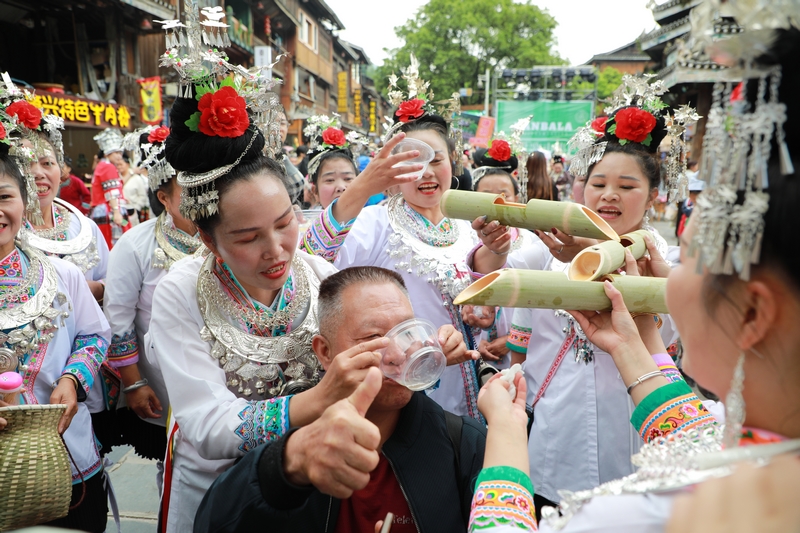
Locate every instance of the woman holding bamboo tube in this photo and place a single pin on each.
(436, 256)
(580, 436)
(735, 299)
(493, 176)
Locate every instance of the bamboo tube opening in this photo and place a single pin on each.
(585, 265)
(502, 201)
(601, 224)
(476, 287)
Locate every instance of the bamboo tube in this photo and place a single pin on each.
(573, 219)
(553, 290)
(606, 257)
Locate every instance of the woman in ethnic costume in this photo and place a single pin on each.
(436, 256)
(493, 176)
(58, 229)
(578, 438)
(734, 297)
(141, 258)
(53, 334)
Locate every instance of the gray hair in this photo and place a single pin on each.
(330, 307)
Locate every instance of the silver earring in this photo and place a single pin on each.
(646, 219)
(734, 407)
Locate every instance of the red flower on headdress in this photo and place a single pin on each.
(2, 132)
(736, 94)
(27, 114)
(223, 113)
(410, 109)
(599, 125)
(333, 136)
(158, 135)
(634, 124)
(500, 150)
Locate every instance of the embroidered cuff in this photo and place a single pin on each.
(500, 502)
(88, 353)
(326, 235)
(667, 367)
(670, 408)
(518, 339)
(263, 421)
(124, 349)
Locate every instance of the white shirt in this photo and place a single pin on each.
(130, 285)
(206, 411)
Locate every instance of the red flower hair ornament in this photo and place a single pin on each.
(333, 137)
(599, 126)
(158, 135)
(632, 124)
(410, 110)
(27, 114)
(222, 113)
(500, 150)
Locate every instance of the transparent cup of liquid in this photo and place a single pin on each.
(425, 156)
(413, 358)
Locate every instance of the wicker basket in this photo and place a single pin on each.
(35, 478)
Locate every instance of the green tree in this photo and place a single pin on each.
(607, 82)
(457, 40)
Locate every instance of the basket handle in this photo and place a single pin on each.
(83, 481)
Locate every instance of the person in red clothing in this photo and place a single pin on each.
(108, 201)
(72, 188)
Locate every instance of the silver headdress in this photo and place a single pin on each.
(419, 89)
(28, 130)
(149, 155)
(109, 140)
(193, 50)
(315, 131)
(518, 147)
(644, 93)
(739, 135)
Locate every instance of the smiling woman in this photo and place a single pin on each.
(231, 327)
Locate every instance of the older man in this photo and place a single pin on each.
(343, 473)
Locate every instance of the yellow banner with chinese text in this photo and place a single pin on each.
(82, 112)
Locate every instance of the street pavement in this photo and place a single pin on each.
(134, 482)
(134, 478)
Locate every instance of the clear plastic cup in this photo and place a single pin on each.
(413, 357)
(425, 156)
(305, 218)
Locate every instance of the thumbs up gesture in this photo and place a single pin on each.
(337, 452)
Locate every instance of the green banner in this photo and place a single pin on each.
(552, 122)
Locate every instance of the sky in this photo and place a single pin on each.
(602, 25)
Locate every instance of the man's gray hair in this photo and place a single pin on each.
(330, 307)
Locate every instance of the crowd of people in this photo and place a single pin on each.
(178, 308)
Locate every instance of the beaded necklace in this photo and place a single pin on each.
(258, 318)
(15, 286)
(443, 234)
(62, 218)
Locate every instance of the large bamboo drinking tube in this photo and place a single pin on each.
(573, 219)
(540, 289)
(606, 257)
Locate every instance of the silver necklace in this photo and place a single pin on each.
(80, 250)
(33, 322)
(440, 265)
(255, 366)
(61, 227)
(166, 254)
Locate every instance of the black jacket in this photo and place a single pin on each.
(254, 495)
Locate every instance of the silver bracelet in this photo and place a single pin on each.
(644, 378)
(497, 253)
(138, 385)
